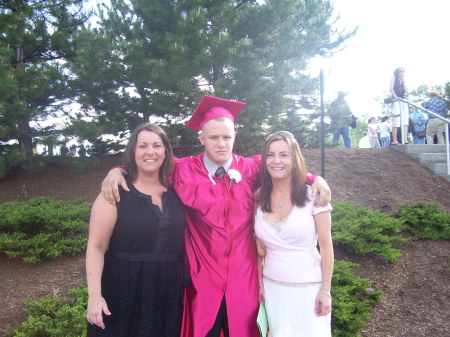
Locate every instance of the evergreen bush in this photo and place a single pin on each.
(52, 316)
(353, 299)
(424, 220)
(364, 231)
(43, 228)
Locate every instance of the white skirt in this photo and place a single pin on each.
(290, 310)
(400, 114)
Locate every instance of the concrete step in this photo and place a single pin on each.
(421, 148)
(438, 168)
(430, 157)
(433, 156)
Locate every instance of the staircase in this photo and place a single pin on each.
(433, 156)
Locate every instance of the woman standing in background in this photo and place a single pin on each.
(399, 109)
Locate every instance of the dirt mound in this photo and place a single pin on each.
(416, 286)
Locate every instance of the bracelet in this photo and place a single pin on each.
(261, 285)
(326, 293)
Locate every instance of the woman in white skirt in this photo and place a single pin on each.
(294, 279)
(399, 109)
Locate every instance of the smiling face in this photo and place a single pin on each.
(149, 152)
(217, 137)
(279, 160)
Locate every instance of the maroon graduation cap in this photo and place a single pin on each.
(211, 107)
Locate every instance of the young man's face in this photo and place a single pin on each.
(217, 137)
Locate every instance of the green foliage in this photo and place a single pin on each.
(352, 300)
(42, 228)
(52, 316)
(36, 40)
(169, 54)
(9, 159)
(363, 231)
(424, 220)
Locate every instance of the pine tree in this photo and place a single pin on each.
(35, 42)
(158, 58)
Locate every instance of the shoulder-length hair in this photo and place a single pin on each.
(398, 71)
(299, 192)
(129, 156)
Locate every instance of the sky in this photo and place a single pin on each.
(392, 33)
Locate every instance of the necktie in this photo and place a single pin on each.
(220, 172)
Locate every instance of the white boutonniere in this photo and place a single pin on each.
(234, 175)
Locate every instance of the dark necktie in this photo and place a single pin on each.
(220, 172)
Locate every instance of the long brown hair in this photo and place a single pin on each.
(129, 159)
(299, 192)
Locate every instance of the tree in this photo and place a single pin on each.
(155, 59)
(35, 42)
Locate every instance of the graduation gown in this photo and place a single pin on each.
(221, 252)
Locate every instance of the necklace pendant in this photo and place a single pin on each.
(280, 205)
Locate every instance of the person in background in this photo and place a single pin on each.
(64, 151)
(341, 118)
(385, 131)
(364, 142)
(373, 131)
(73, 150)
(217, 189)
(399, 109)
(82, 151)
(135, 260)
(435, 125)
(295, 280)
(419, 122)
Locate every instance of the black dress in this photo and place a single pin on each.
(144, 272)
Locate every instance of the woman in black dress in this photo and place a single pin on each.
(135, 254)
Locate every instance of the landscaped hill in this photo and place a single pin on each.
(416, 287)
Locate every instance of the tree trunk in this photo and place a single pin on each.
(26, 144)
(23, 126)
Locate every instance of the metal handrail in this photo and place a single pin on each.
(437, 116)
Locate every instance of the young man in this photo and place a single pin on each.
(217, 188)
(341, 117)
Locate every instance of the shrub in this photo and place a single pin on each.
(54, 317)
(10, 159)
(43, 228)
(362, 230)
(424, 220)
(352, 300)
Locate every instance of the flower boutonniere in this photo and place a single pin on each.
(234, 175)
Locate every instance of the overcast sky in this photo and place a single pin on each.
(392, 33)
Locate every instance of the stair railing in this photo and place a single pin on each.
(447, 121)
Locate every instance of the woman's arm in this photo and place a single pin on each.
(101, 226)
(260, 278)
(323, 226)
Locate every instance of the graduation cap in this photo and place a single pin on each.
(211, 107)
